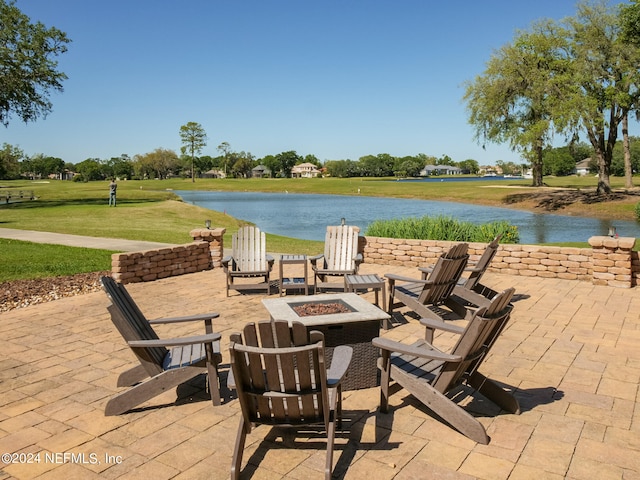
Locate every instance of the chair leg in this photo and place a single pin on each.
(132, 376)
(444, 407)
(331, 432)
(214, 383)
(236, 463)
(385, 378)
(494, 392)
(151, 388)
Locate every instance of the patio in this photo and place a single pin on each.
(571, 350)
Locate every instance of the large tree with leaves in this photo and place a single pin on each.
(194, 139)
(605, 81)
(513, 100)
(28, 66)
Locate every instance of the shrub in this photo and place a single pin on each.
(443, 228)
(637, 211)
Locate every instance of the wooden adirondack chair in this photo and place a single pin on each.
(281, 379)
(160, 368)
(248, 259)
(430, 374)
(469, 292)
(340, 257)
(427, 296)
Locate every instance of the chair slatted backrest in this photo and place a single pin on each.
(341, 247)
(132, 325)
(475, 342)
(445, 275)
(280, 374)
(249, 249)
(483, 263)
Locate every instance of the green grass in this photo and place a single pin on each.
(26, 260)
(443, 227)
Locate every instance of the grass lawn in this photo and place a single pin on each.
(26, 260)
(149, 210)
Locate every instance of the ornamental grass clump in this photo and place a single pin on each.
(443, 228)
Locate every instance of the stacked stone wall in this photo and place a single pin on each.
(609, 261)
(204, 253)
(159, 263)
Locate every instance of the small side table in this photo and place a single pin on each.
(353, 283)
(293, 283)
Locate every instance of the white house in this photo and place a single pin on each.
(439, 170)
(582, 167)
(304, 170)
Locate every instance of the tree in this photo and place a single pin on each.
(28, 69)
(120, 167)
(286, 161)
(469, 166)
(10, 158)
(630, 24)
(91, 169)
(605, 82)
(559, 162)
(513, 100)
(194, 139)
(157, 164)
(225, 149)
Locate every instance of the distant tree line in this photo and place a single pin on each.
(163, 163)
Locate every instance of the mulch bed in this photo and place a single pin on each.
(24, 293)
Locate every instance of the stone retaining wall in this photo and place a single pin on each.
(204, 253)
(610, 261)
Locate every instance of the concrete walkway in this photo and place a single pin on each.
(571, 353)
(115, 244)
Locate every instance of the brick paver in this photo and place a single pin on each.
(571, 352)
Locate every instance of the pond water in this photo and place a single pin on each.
(306, 216)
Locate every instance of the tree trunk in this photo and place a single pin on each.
(628, 172)
(604, 185)
(536, 165)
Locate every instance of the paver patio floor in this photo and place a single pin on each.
(571, 352)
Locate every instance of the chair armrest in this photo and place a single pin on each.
(426, 271)
(187, 318)
(440, 325)
(424, 350)
(339, 364)
(226, 260)
(315, 258)
(393, 278)
(176, 342)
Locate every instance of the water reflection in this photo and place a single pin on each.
(306, 216)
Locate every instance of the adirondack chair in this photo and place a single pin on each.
(427, 296)
(280, 376)
(160, 368)
(431, 375)
(248, 259)
(340, 257)
(469, 291)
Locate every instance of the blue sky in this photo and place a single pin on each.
(336, 79)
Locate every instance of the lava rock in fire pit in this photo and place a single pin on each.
(310, 309)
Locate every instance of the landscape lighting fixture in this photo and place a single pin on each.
(207, 223)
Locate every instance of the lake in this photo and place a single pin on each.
(306, 216)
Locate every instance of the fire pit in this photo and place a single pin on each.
(327, 307)
(344, 319)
